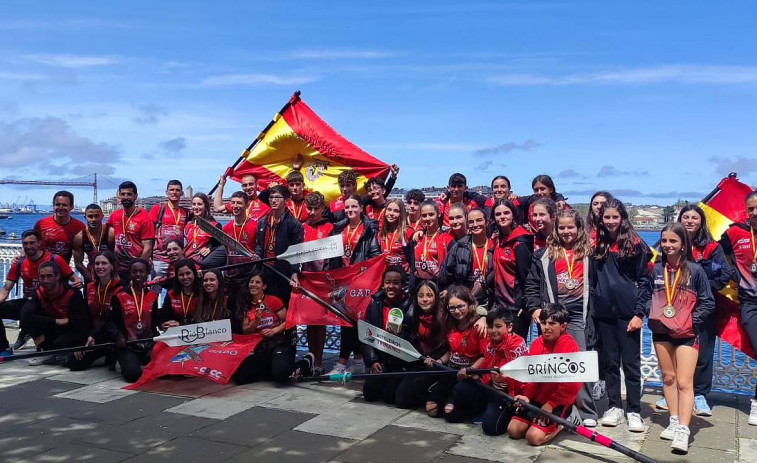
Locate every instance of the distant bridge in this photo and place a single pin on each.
(92, 184)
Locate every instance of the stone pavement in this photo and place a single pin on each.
(48, 414)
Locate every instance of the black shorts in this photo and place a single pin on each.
(527, 416)
(663, 337)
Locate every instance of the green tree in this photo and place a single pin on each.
(668, 213)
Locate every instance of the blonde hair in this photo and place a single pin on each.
(401, 225)
(582, 246)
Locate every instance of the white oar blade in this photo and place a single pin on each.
(575, 367)
(386, 342)
(199, 333)
(324, 248)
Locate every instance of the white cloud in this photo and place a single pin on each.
(255, 80)
(681, 74)
(72, 61)
(324, 54)
(20, 76)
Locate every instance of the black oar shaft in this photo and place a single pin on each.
(342, 377)
(68, 350)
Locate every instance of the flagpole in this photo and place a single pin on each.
(295, 98)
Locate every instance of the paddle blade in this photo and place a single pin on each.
(324, 248)
(386, 342)
(575, 367)
(199, 333)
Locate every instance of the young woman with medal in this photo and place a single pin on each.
(431, 245)
(560, 274)
(542, 220)
(213, 303)
(621, 261)
(180, 303)
(679, 304)
(469, 261)
(740, 243)
(201, 247)
(264, 314)
(395, 237)
(133, 315)
(99, 295)
(458, 221)
(513, 251)
(359, 235)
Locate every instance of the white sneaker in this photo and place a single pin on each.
(681, 439)
(590, 423)
(669, 432)
(753, 413)
(338, 369)
(635, 423)
(612, 417)
(357, 367)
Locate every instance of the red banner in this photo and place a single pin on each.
(349, 289)
(215, 361)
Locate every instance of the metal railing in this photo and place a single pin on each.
(733, 371)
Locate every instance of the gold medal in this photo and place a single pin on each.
(571, 284)
(670, 291)
(669, 311)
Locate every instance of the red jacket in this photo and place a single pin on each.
(554, 394)
(496, 355)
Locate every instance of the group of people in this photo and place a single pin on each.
(469, 273)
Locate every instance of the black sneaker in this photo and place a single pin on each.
(23, 337)
(304, 367)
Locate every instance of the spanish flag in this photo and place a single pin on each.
(722, 207)
(296, 132)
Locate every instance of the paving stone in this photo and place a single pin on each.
(143, 434)
(447, 458)
(660, 451)
(747, 450)
(352, 420)
(86, 377)
(22, 395)
(126, 409)
(228, 402)
(399, 445)
(311, 399)
(293, 446)
(418, 419)
(20, 372)
(190, 450)
(718, 436)
(252, 427)
(183, 387)
(78, 453)
(556, 454)
(581, 445)
(101, 392)
(27, 441)
(500, 448)
(744, 429)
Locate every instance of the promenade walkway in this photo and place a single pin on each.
(48, 414)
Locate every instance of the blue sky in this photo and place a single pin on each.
(653, 100)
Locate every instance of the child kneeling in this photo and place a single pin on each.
(555, 398)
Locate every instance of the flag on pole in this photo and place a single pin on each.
(216, 361)
(349, 289)
(296, 132)
(724, 206)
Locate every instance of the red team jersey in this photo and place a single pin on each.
(28, 271)
(445, 206)
(171, 227)
(430, 252)
(183, 307)
(196, 239)
(265, 312)
(244, 234)
(393, 245)
(57, 238)
(98, 299)
(315, 232)
(138, 325)
(375, 212)
(129, 233)
(465, 346)
(299, 211)
(255, 209)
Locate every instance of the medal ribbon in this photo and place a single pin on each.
(96, 244)
(389, 245)
(296, 212)
(238, 237)
(570, 262)
(754, 248)
(670, 293)
(253, 204)
(350, 235)
(176, 218)
(101, 297)
(273, 224)
(139, 306)
(185, 307)
(481, 263)
(125, 223)
(425, 243)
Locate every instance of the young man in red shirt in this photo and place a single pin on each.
(169, 219)
(26, 268)
(93, 239)
(243, 229)
(255, 207)
(132, 230)
(457, 192)
(58, 230)
(413, 200)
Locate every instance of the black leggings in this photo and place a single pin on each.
(412, 391)
(749, 322)
(90, 357)
(270, 360)
(131, 363)
(384, 390)
(440, 393)
(703, 373)
(617, 345)
(468, 401)
(349, 342)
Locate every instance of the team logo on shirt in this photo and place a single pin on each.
(131, 226)
(315, 168)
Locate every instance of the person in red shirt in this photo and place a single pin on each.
(457, 217)
(413, 200)
(543, 213)
(243, 229)
(58, 230)
(256, 208)
(295, 183)
(555, 398)
(593, 218)
(169, 219)
(131, 229)
(468, 399)
(457, 192)
(201, 246)
(88, 242)
(265, 314)
(180, 304)
(466, 348)
(431, 246)
(500, 190)
(395, 237)
(347, 180)
(377, 191)
(26, 268)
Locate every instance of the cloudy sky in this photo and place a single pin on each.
(654, 101)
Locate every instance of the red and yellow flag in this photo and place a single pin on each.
(297, 132)
(722, 208)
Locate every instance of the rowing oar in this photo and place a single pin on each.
(324, 248)
(299, 254)
(260, 136)
(187, 335)
(400, 348)
(575, 367)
